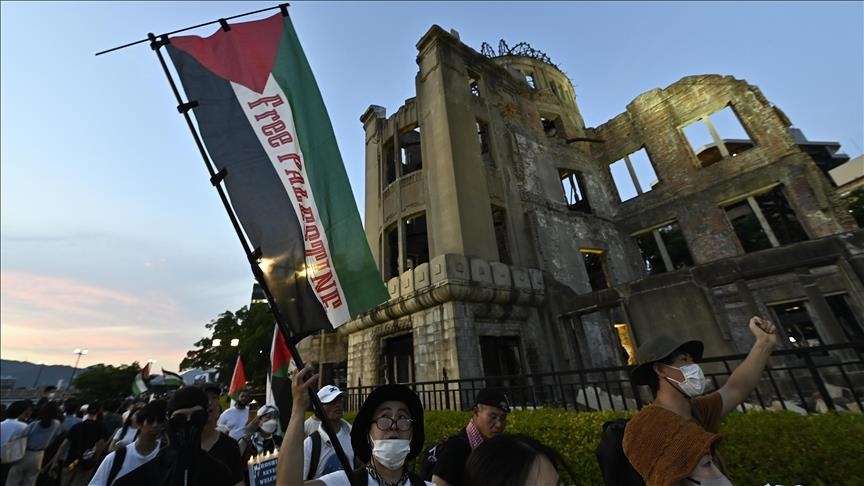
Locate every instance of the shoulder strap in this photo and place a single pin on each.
(316, 455)
(119, 457)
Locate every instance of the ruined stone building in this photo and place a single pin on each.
(514, 239)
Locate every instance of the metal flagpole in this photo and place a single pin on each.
(252, 255)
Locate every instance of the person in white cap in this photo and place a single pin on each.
(259, 436)
(319, 456)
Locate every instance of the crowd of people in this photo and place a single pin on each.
(187, 439)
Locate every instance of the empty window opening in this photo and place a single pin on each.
(628, 349)
(499, 221)
(391, 252)
(845, 317)
(416, 242)
(552, 127)
(765, 221)
(412, 160)
(502, 365)
(398, 356)
(799, 327)
(633, 175)
(595, 266)
(663, 249)
(389, 162)
(483, 138)
(573, 184)
(717, 136)
(529, 78)
(554, 88)
(473, 84)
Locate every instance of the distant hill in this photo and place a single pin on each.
(25, 373)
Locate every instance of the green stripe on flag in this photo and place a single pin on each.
(363, 287)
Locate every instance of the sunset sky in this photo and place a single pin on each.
(111, 237)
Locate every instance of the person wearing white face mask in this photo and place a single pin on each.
(388, 431)
(259, 436)
(672, 441)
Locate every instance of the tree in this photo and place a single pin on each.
(106, 381)
(253, 326)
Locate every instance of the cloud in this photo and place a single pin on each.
(44, 317)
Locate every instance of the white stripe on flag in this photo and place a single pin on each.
(272, 113)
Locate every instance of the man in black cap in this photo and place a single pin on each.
(489, 419)
(674, 438)
(388, 431)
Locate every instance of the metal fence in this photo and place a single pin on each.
(806, 380)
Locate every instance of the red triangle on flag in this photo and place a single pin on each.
(238, 380)
(280, 356)
(145, 372)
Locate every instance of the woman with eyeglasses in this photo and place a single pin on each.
(150, 421)
(387, 432)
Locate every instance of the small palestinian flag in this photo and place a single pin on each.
(238, 380)
(171, 379)
(279, 380)
(264, 123)
(139, 385)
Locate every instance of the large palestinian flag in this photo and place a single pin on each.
(263, 120)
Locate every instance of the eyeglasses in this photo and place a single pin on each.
(385, 423)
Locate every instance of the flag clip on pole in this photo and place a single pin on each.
(252, 255)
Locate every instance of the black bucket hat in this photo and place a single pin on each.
(360, 428)
(659, 348)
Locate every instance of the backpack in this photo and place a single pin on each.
(430, 460)
(616, 469)
(116, 465)
(316, 455)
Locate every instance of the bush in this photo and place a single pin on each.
(757, 447)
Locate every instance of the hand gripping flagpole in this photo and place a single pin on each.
(253, 256)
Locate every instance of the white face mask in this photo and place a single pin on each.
(391, 453)
(694, 380)
(269, 426)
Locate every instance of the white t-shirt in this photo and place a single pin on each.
(310, 425)
(235, 420)
(328, 461)
(9, 428)
(133, 461)
(339, 478)
(127, 439)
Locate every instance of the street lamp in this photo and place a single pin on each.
(79, 352)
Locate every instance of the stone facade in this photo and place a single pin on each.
(494, 267)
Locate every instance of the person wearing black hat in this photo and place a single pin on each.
(183, 461)
(674, 438)
(488, 420)
(388, 431)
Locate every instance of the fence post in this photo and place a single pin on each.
(446, 389)
(829, 402)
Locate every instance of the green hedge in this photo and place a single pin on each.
(758, 448)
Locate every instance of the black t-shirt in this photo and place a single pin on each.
(452, 458)
(83, 436)
(165, 470)
(227, 451)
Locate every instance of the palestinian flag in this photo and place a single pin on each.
(172, 379)
(238, 380)
(139, 385)
(264, 123)
(279, 378)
